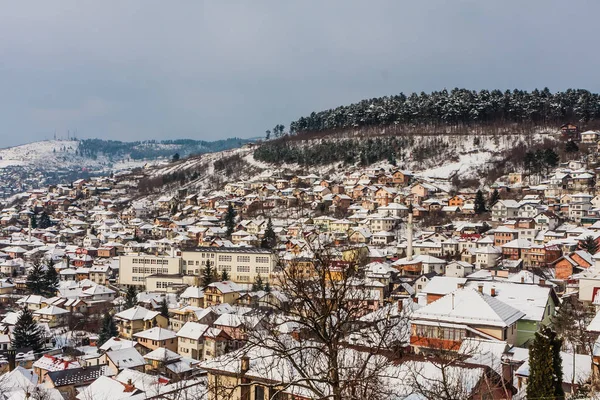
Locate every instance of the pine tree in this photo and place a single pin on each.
(27, 333)
(208, 275)
(224, 276)
(571, 147)
(107, 330)
(230, 220)
(269, 240)
(258, 284)
(545, 366)
(479, 203)
(551, 159)
(176, 157)
(268, 287)
(50, 281)
(44, 221)
(494, 197)
(131, 297)
(589, 244)
(33, 222)
(35, 279)
(164, 308)
(392, 159)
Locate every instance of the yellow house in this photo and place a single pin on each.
(154, 338)
(138, 319)
(221, 292)
(243, 378)
(51, 315)
(193, 296)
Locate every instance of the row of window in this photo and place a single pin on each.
(229, 258)
(163, 285)
(148, 270)
(149, 261)
(438, 332)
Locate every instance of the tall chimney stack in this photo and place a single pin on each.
(409, 238)
(244, 364)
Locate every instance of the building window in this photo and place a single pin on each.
(262, 270)
(259, 393)
(243, 259)
(243, 268)
(262, 260)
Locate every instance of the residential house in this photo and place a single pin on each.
(137, 319)
(464, 313)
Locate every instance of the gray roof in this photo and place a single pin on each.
(78, 376)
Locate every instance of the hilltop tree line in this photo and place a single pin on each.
(364, 152)
(458, 107)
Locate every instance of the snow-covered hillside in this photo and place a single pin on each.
(466, 156)
(58, 154)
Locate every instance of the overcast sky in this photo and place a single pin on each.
(134, 70)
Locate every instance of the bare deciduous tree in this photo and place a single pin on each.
(571, 323)
(329, 343)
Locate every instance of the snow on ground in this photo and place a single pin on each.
(465, 166)
(36, 152)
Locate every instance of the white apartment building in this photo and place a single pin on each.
(242, 264)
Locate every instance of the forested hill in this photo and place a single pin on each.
(151, 149)
(458, 107)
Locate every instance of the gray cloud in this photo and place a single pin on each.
(211, 69)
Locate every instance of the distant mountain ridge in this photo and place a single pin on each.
(91, 153)
(49, 162)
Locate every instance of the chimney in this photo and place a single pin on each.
(244, 364)
(493, 291)
(12, 359)
(542, 282)
(480, 287)
(399, 305)
(522, 279)
(409, 238)
(460, 285)
(129, 383)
